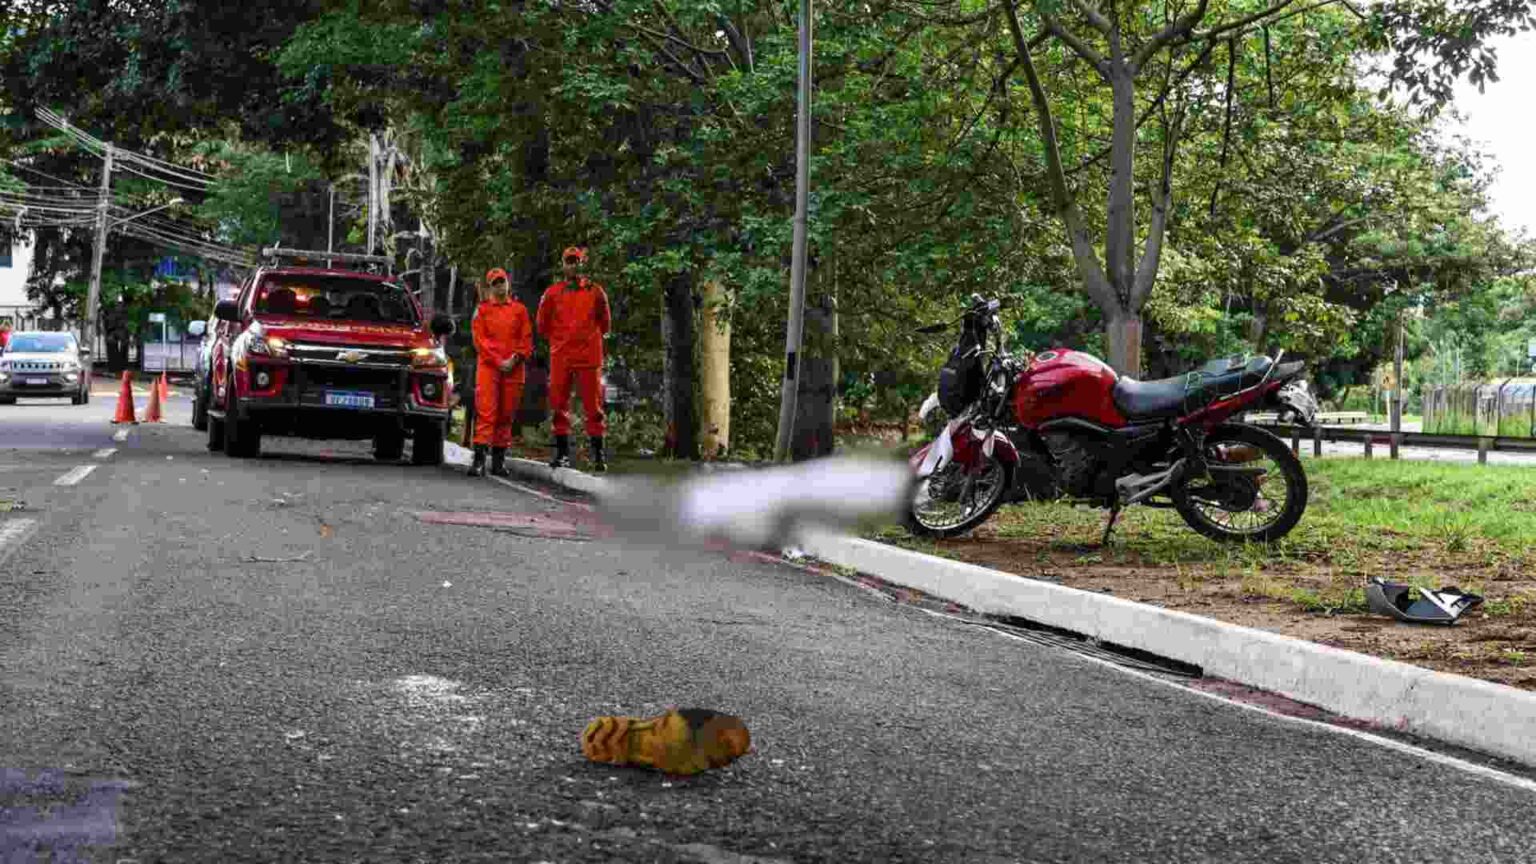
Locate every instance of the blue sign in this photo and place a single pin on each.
(173, 268)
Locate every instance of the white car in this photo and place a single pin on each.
(42, 364)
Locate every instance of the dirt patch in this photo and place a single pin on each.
(1314, 600)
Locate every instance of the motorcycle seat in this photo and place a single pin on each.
(1171, 397)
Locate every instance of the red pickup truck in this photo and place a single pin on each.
(317, 352)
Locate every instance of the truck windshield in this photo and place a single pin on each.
(335, 298)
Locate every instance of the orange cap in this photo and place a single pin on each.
(496, 273)
(576, 252)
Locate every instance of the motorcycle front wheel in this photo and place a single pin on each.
(1255, 494)
(951, 502)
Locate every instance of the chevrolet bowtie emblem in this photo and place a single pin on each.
(352, 356)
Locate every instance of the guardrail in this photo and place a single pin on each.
(1369, 438)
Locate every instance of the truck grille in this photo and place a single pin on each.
(313, 382)
(350, 355)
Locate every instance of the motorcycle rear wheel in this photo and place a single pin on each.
(927, 515)
(1239, 512)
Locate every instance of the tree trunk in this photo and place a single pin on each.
(715, 377)
(677, 331)
(814, 433)
(1260, 329)
(1120, 241)
(1122, 335)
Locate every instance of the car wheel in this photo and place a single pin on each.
(7, 400)
(77, 399)
(427, 448)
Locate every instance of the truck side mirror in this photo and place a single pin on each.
(442, 326)
(197, 328)
(227, 310)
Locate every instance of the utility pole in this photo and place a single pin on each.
(330, 228)
(792, 336)
(1397, 375)
(93, 295)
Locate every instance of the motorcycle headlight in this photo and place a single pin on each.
(429, 358)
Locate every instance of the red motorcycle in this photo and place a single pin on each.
(1062, 425)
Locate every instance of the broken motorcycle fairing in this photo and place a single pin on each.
(1442, 606)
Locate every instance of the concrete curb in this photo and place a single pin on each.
(566, 478)
(1467, 712)
(1478, 715)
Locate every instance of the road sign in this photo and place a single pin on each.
(157, 317)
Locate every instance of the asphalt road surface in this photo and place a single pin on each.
(284, 659)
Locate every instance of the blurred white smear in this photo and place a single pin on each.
(761, 508)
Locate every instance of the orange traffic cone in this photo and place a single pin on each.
(125, 401)
(165, 389)
(152, 412)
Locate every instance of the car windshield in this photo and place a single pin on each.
(40, 343)
(335, 298)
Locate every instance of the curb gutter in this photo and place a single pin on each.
(1491, 718)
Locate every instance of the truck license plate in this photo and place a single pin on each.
(348, 399)
(41, 382)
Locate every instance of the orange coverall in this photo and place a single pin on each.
(501, 330)
(574, 318)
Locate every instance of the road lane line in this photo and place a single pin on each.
(105, 454)
(75, 475)
(1483, 771)
(120, 435)
(12, 533)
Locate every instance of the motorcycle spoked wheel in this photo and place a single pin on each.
(950, 502)
(1256, 508)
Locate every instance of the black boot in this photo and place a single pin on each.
(562, 452)
(499, 462)
(599, 459)
(477, 469)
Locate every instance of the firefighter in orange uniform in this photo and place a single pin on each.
(574, 318)
(503, 340)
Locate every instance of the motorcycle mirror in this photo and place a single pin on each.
(933, 328)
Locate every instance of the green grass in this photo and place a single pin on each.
(1409, 521)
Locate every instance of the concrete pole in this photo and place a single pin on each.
(795, 328)
(93, 295)
(1397, 373)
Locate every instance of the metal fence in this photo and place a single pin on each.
(1499, 409)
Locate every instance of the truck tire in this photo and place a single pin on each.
(388, 446)
(242, 438)
(427, 448)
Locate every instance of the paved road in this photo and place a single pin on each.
(280, 660)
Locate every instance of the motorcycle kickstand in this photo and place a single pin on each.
(1114, 516)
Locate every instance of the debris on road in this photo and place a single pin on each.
(1443, 606)
(679, 742)
(257, 559)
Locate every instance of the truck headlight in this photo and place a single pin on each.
(429, 358)
(269, 346)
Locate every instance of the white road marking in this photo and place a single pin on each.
(75, 475)
(12, 533)
(105, 454)
(120, 435)
(1482, 771)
